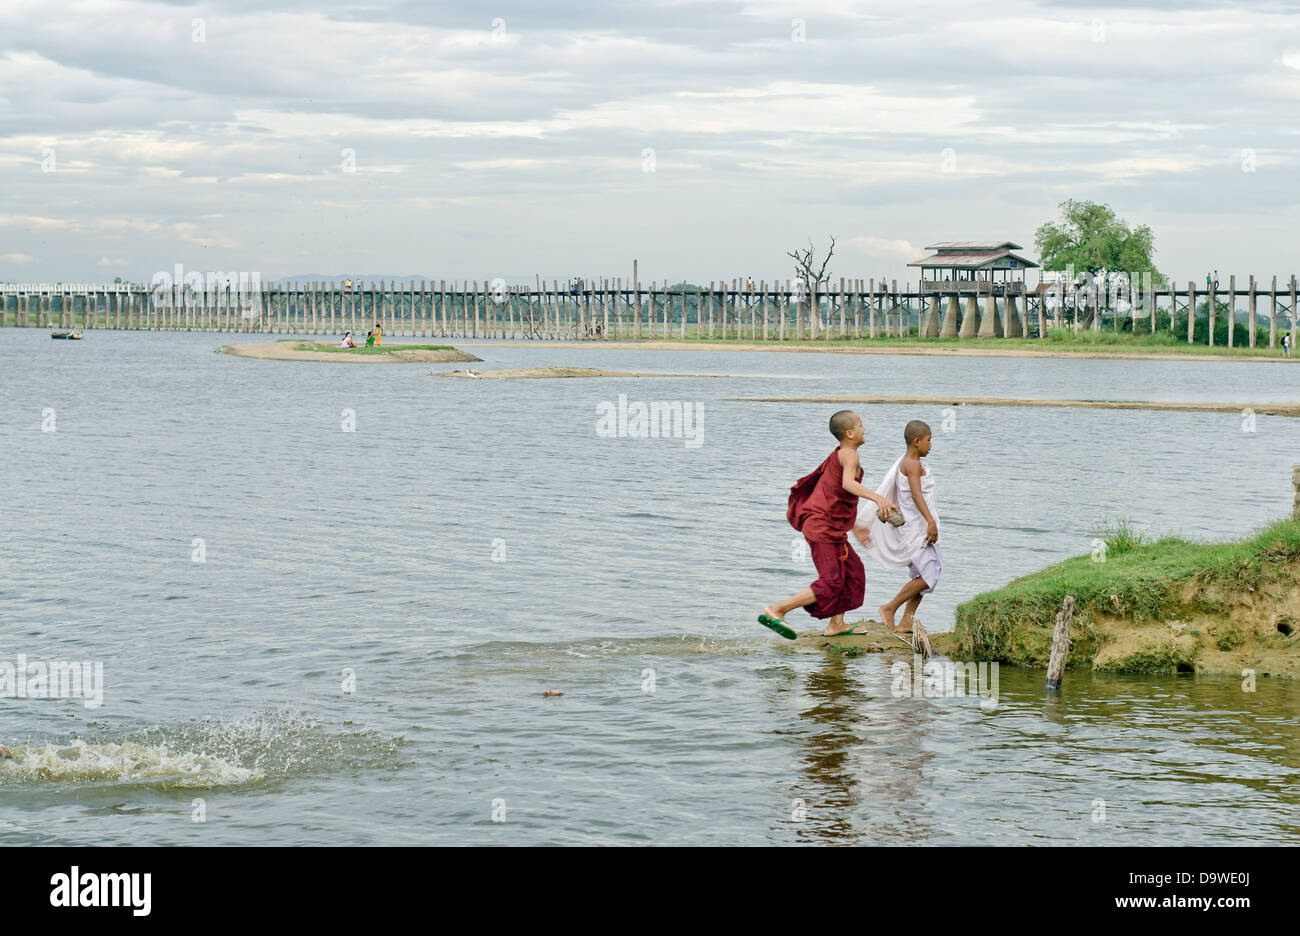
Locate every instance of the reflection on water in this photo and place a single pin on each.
(1109, 758)
(864, 763)
(828, 735)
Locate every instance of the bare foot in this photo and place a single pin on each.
(773, 613)
(887, 617)
(905, 625)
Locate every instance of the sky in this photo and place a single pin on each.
(468, 141)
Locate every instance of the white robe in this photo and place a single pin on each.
(895, 547)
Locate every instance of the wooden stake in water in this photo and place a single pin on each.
(1060, 645)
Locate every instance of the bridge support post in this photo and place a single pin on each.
(970, 321)
(930, 327)
(951, 315)
(1015, 329)
(989, 321)
(1253, 313)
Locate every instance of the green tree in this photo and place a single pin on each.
(1090, 238)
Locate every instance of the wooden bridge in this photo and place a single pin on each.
(611, 310)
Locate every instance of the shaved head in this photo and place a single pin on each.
(841, 423)
(915, 430)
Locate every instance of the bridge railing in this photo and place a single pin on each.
(970, 288)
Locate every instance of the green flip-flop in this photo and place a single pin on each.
(851, 632)
(777, 625)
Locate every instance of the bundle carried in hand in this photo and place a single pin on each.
(895, 517)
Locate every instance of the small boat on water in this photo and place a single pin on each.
(66, 334)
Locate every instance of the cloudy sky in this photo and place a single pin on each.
(704, 139)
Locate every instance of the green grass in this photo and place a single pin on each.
(1120, 536)
(1143, 580)
(382, 349)
(846, 650)
(1228, 637)
(1092, 339)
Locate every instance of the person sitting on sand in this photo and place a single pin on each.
(370, 338)
(822, 506)
(347, 341)
(914, 544)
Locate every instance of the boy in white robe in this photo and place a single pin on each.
(914, 544)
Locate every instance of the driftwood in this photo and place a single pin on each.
(921, 640)
(1060, 645)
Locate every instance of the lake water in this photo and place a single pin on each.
(472, 543)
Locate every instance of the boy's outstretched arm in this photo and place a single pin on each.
(913, 472)
(849, 461)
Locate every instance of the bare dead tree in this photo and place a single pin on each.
(813, 277)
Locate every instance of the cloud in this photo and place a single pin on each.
(16, 258)
(884, 247)
(470, 138)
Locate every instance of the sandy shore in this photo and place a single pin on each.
(1262, 409)
(288, 351)
(533, 373)
(988, 348)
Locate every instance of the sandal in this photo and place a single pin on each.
(777, 625)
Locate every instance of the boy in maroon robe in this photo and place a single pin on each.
(824, 507)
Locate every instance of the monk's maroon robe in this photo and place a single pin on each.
(824, 512)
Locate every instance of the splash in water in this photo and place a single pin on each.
(202, 754)
(79, 761)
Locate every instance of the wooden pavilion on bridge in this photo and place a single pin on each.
(973, 268)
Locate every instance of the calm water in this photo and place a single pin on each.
(472, 543)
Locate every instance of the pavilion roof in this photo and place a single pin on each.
(972, 260)
(973, 246)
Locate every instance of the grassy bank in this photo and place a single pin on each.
(1163, 606)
